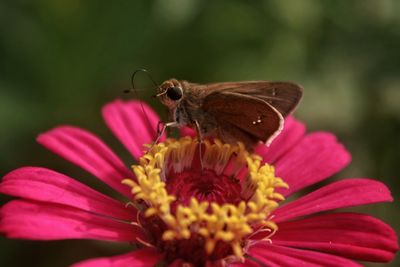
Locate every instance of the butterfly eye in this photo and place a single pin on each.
(174, 93)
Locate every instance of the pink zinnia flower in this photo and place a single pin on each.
(230, 213)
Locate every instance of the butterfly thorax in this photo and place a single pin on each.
(184, 101)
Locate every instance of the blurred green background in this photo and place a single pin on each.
(60, 61)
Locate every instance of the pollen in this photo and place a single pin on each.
(214, 223)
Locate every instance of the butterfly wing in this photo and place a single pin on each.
(243, 117)
(283, 96)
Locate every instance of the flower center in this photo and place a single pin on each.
(204, 185)
(214, 210)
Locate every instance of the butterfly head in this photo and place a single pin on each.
(170, 93)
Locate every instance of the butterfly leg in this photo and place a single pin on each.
(161, 127)
(200, 140)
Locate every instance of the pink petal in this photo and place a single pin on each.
(351, 235)
(128, 122)
(88, 152)
(278, 256)
(44, 221)
(341, 194)
(247, 263)
(316, 157)
(291, 134)
(49, 186)
(145, 257)
(187, 131)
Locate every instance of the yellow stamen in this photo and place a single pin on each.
(228, 223)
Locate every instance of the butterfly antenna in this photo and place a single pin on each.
(147, 73)
(135, 90)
